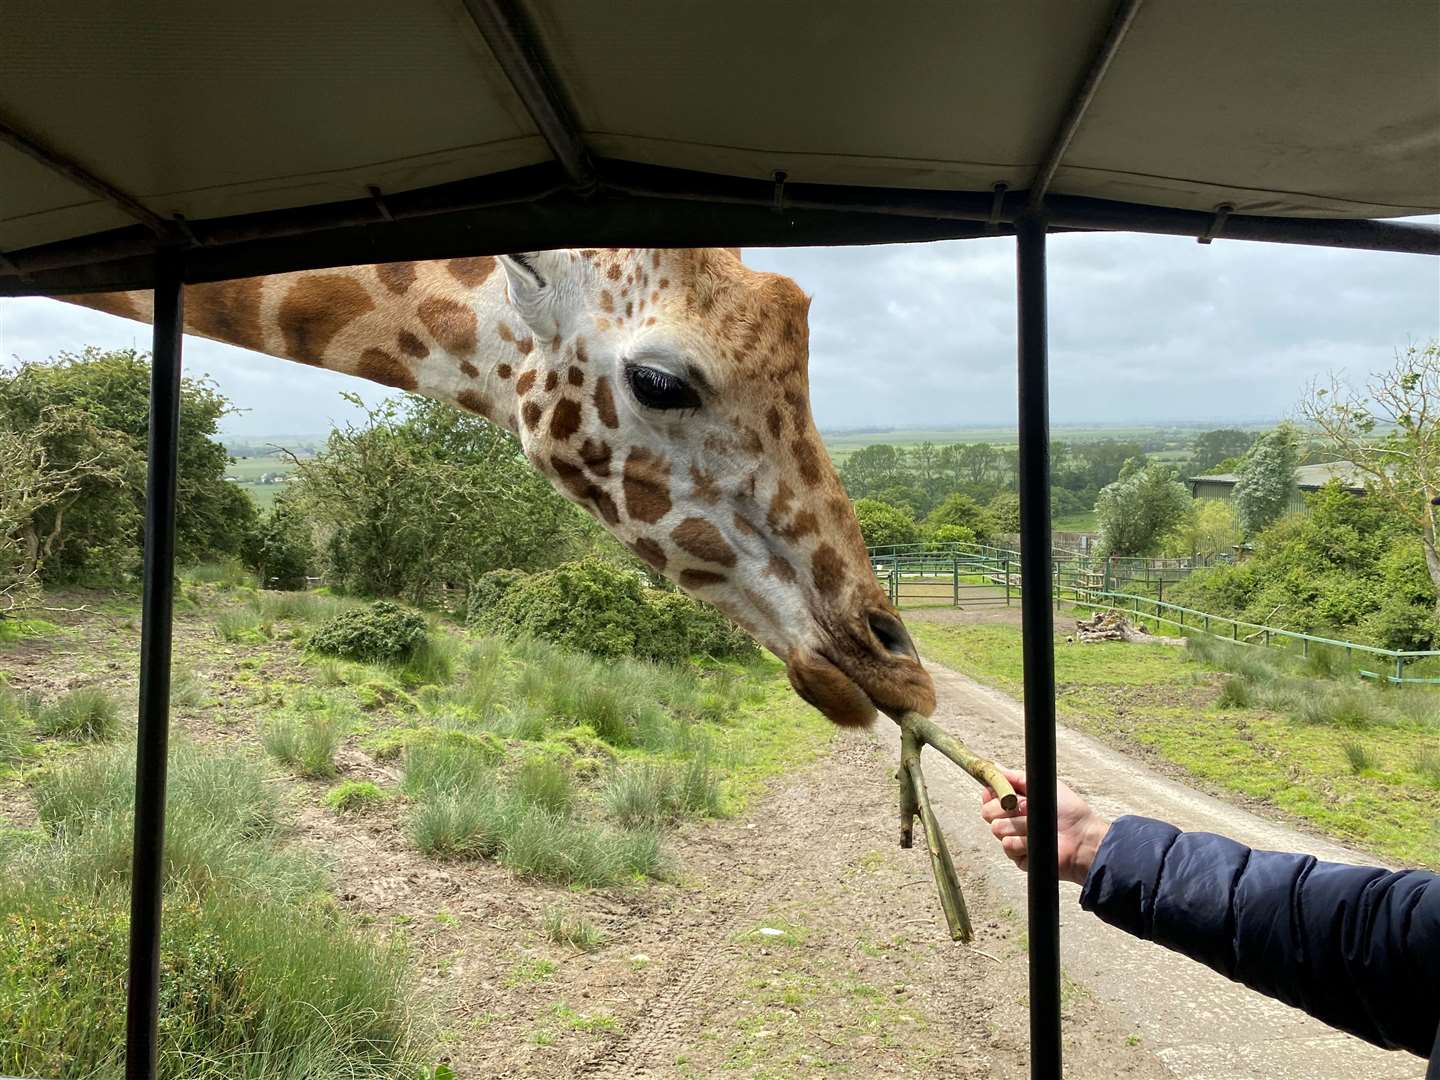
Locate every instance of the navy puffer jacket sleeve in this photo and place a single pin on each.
(1356, 947)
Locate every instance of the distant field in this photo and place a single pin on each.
(247, 472)
(1083, 522)
(842, 444)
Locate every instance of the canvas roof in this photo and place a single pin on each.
(1306, 476)
(225, 113)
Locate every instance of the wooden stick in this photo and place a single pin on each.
(987, 772)
(952, 900)
(909, 751)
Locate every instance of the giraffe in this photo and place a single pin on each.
(665, 391)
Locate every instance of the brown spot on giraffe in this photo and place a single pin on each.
(506, 334)
(779, 567)
(469, 370)
(655, 259)
(411, 345)
(596, 456)
(664, 283)
(774, 421)
(471, 272)
(452, 324)
(580, 354)
(802, 526)
(504, 371)
(315, 310)
(607, 301)
(613, 273)
(650, 552)
(565, 420)
(525, 382)
(705, 489)
(605, 403)
(647, 485)
(552, 380)
(574, 479)
(807, 460)
(476, 403)
(531, 415)
(698, 537)
(629, 308)
(575, 377)
(700, 579)
(379, 366)
(827, 570)
(524, 345)
(747, 526)
(397, 277)
(223, 310)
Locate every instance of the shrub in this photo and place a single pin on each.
(488, 590)
(1359, 757)
(354, 797)
(682, 627)
(590, 606)
(85, 715)
(1401, 625)
(945, 536)
(380, 632)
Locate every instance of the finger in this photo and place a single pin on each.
(1016, 778)
(1017, 847)
(994, 810)
(1010, 827)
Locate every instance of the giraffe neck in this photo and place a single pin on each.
(441, 329)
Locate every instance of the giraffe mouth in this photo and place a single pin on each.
(851, 700)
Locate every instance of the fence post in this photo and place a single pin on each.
(955, 579)
(1234, 630)
(1160, 589)
(1007, 582)
(1399, 669)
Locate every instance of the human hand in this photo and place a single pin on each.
(1080, 829)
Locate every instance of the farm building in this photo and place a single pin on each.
(1308, 478)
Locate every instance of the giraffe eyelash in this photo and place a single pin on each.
(655, 388)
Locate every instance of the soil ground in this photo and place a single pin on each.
(799, 940)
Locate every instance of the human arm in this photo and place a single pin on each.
(1081, 830)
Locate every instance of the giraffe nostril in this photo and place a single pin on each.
(890, 632)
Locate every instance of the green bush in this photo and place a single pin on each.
(883, 525)
(380, 632)
(596, 607)
(488, 590)
(355, 797)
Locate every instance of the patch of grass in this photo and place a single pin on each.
(545, 781)
(432, 663)
(1284, 747)
(19, 629)
(88, 714)
(238, 626)
(187, 690)
(578, 1021)
(444, 761)
(355, 797)
(1426, 764)
(467, 826)
(17, 722)
(306, 742)
(647, 793)
(223, 575)
(574, 930)
(532, 969)
(1359, 756)
(301, 607)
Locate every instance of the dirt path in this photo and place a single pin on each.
(1197, 1023)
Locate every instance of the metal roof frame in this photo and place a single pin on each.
(582, 201)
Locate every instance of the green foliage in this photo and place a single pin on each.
(1208, 528)
(422, 494)
(240, 627)
(225, 573)
(17, 722)
(382, 631)
(94, 407)
(883, 525)
(488, 590)
(1266, 479)
(595, 606)
(88, 714)
(1135, 513)
(945, 537)
(438, 760)
(653, 793)
(1212, 449)
(1348, 567)
(963, 511)
(355, 797)
(1004, 511)
(308, 741)
(280, 547)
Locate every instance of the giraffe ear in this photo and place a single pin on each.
(531, 277)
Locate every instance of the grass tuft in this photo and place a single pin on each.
(88, 714)
(355, 797)
(309, 741)
(574, 930)
(1359, 756)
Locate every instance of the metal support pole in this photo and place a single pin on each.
(143, 993)
(1039, 652)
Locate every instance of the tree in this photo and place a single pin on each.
(1136, 512)
(957, 509)
(1208, 528)
(1004, 510)
(873, 468)
(1390, 430)
(421, 495)
(1212, 448)
(944, 537)
(282, 550)
(1266, 481)
(883, 525)
(978, 461)
(96, 531)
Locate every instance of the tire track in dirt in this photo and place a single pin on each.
(673, 1013)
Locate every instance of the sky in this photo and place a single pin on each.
(1144, 329)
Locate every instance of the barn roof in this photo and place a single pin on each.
(272, 135)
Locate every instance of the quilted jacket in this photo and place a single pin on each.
(1356, 947)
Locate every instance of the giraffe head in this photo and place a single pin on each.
(665, 391)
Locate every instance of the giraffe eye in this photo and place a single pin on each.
(656, 389)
